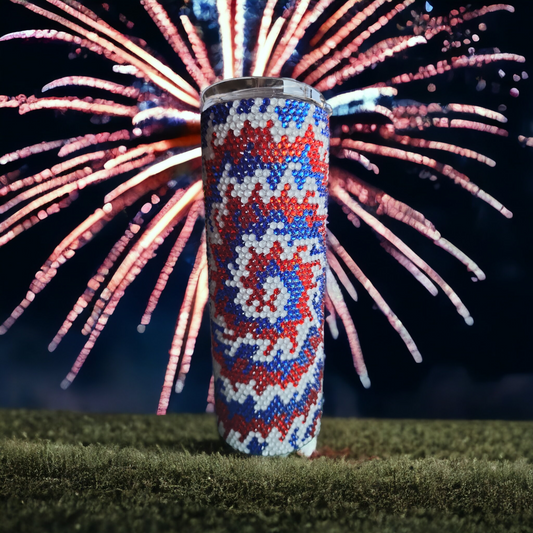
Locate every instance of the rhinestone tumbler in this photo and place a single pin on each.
(265, 145)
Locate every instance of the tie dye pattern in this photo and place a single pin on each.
(265, 185)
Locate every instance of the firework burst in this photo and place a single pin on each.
(147, 146)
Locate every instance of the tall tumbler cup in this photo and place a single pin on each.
(265, 145)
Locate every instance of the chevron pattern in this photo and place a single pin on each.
(265, 169)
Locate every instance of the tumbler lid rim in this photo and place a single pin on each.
(275, 87)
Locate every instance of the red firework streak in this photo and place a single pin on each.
(329, 44)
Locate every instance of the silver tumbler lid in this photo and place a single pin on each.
(263, 87)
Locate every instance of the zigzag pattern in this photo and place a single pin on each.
(265, 184)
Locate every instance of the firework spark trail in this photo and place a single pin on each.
(181, 329)
(266, 21)
(43, 177)
(386, 46)
(309, 17)
(284, 49)
(388, 133)
(79, 143)
(131, 264)
(356, 156)
(410, 267)
(224, 23)
(375, 295)
(28, 151)
(49, 183)
(9, 228)
(166, 271)
(200, 51)
(332, 43)
(446, 170)
(342, 196)
(238, 38)
(150, 172)
(135, 260)
(264, 52)
(364, 61)
(200, 302)
(95, 107)
(85, 231)
(170, 32)
(95, 282)
(331, 318)
(334, 295)
(326, 26)
(386, 205)
(153, 148)
(146, 58)
(86, 81)
(339, 52)
(429, 71)
(54, 35)
(336, 267)
(152, 69)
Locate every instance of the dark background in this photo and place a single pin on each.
(483, 371)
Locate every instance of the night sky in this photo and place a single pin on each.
(483, 371)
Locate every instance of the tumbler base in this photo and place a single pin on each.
(308, 449)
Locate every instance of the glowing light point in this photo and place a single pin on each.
(365, 380)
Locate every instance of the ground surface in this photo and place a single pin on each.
(134, 473)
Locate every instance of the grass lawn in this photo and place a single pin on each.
(73, 472)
